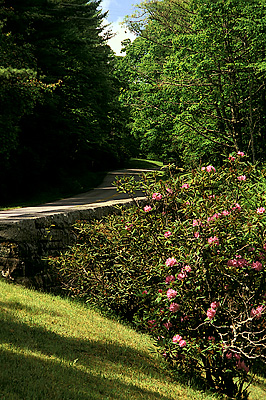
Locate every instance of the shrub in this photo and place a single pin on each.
(189, 267)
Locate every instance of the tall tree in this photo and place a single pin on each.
(216, 62)
(68, 123)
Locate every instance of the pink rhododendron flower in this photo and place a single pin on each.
(210, 168)
(171, 294)
(237, 262)
(157, 196)
(203, 168)
(242, 177)
(167, 234)
(231, 158)
(211, 196)
(177, 338)
(256, 312)
(225, 213)
(168, 325)
(144, 292)
(187, 268)
(174, 307)
(240, 153)
(185, 186)
(211, 338)
(170, 262)
(182, 343)
(197, 235)
(215, 304)
(259, 310)
(260, 210)
(257, 266)
(129, 227)
(211, 313)
(187, 203)
(160, 291)
(236, 207)
(213, 240)
(181, 276)
(169, 278)
(147, 208)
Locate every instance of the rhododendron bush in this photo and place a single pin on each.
(190, 267)
(207, 313)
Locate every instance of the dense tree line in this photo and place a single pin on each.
(196, 78)
(190, 86)
(59, 93)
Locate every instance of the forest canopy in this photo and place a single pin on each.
(196, 82)
(59, 94)
(190, 86)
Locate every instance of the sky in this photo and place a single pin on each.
(118, 9)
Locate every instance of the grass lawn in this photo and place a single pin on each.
(52, 348)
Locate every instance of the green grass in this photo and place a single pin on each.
(52, 348)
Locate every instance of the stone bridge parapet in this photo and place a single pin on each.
(26, 240)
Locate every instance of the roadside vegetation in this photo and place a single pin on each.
(54, 348)
(188, 268)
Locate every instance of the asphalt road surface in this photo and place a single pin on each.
(102, 194)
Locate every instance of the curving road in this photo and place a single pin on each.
(103, 194)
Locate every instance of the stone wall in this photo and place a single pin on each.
(27, 242)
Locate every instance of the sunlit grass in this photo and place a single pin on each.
(52, 348)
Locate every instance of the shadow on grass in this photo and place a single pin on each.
(36, 363)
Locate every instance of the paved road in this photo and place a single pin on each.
(102, 194)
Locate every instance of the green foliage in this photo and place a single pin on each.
(189, 268)
(56, 63)
(102, 269)
(196, 77)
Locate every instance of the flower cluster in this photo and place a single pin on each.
(157, 196)
(178, 339)
(214, 240)
(217, 233)
(147, 208)
(209, 168)
(185, 186)
(167, 234)
(256, 312)
(212, 310)
(170, 262)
